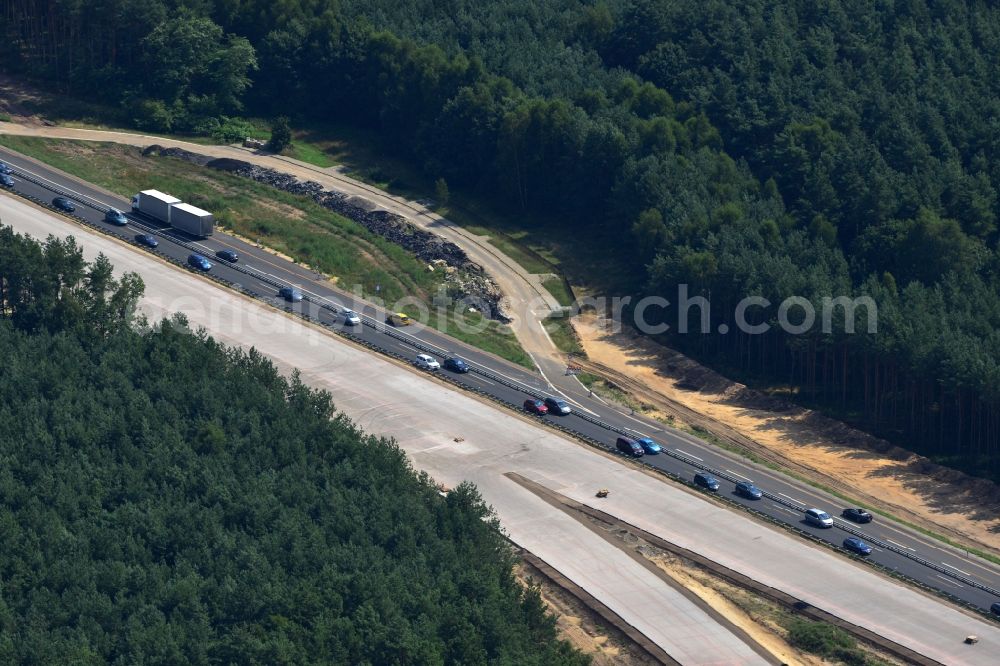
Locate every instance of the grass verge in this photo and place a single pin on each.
(610, 391)
(538, 248)
(486, 334)
(561, 332)
(560, 290)
(289, 224)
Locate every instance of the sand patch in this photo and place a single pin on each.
(904, 484)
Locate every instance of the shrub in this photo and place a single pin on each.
(826, 641)
(281, 135)
(231, 130)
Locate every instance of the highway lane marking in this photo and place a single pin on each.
(956, 569)
(514, 380)
(539, 368)
(164, 232)
(643, 423)
(594, 414)
(542, 326)
(948, 580)
(793, 499)
(85, 197)
(590, 391)
(482, 379)
(689, 455)
(785, 508)
(56, 185)
(899, 544)
(739, 475)
(942, 577)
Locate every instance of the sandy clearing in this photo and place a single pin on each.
(947, 503)
(766, 637)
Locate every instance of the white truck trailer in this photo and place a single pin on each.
(171, 210)
(194, 221)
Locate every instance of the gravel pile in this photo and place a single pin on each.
(466, 280)
(179, 153)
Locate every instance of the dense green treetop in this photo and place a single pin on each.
(164, 500)
(779, 148)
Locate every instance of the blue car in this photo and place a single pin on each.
(290, 295)
(199, 262)
(857, 546)
(4, 169)
(455, 364)
(557, 406)
(115, 217)
(748, 490)
(6, 180)
(147, 240)
(649, 446)
(228, 255)
(64, 204)
(706, 480)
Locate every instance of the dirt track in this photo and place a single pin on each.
(827, 452)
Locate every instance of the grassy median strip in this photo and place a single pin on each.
(292, 225)
(563, 336)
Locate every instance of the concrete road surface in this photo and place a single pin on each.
(426, 417)
(374, 392)
(896, 547)
(528, 300)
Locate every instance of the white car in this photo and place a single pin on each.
(425, 362)
(819, 518)
(351, 318)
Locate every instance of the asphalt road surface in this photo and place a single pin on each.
(896, 548)
(455, 437)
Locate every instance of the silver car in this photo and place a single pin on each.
(425, 362)
(819, 518)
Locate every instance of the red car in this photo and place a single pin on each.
(536, 406)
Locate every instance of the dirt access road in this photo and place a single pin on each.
(526, 299)
(907, 486)
(827, 452)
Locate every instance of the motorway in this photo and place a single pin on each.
(933, 564)
(456, 437)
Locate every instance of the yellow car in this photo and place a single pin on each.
(398, 319)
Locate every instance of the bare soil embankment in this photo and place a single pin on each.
(873, 471)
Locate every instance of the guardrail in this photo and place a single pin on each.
(802, 507)
(423, 346)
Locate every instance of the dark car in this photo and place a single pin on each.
(228, 255)
(62, 203)
(557, 406)
(856, 545)
(706, 480)
(995, 607)
(535, 406)
(455, 364)
(6, 180)
(199, 262)
(115, 217)
(147, 240)
(748, 490)
(290, 295)
(4, 169)
(629, 447)
(857, 515)
(649, 446)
